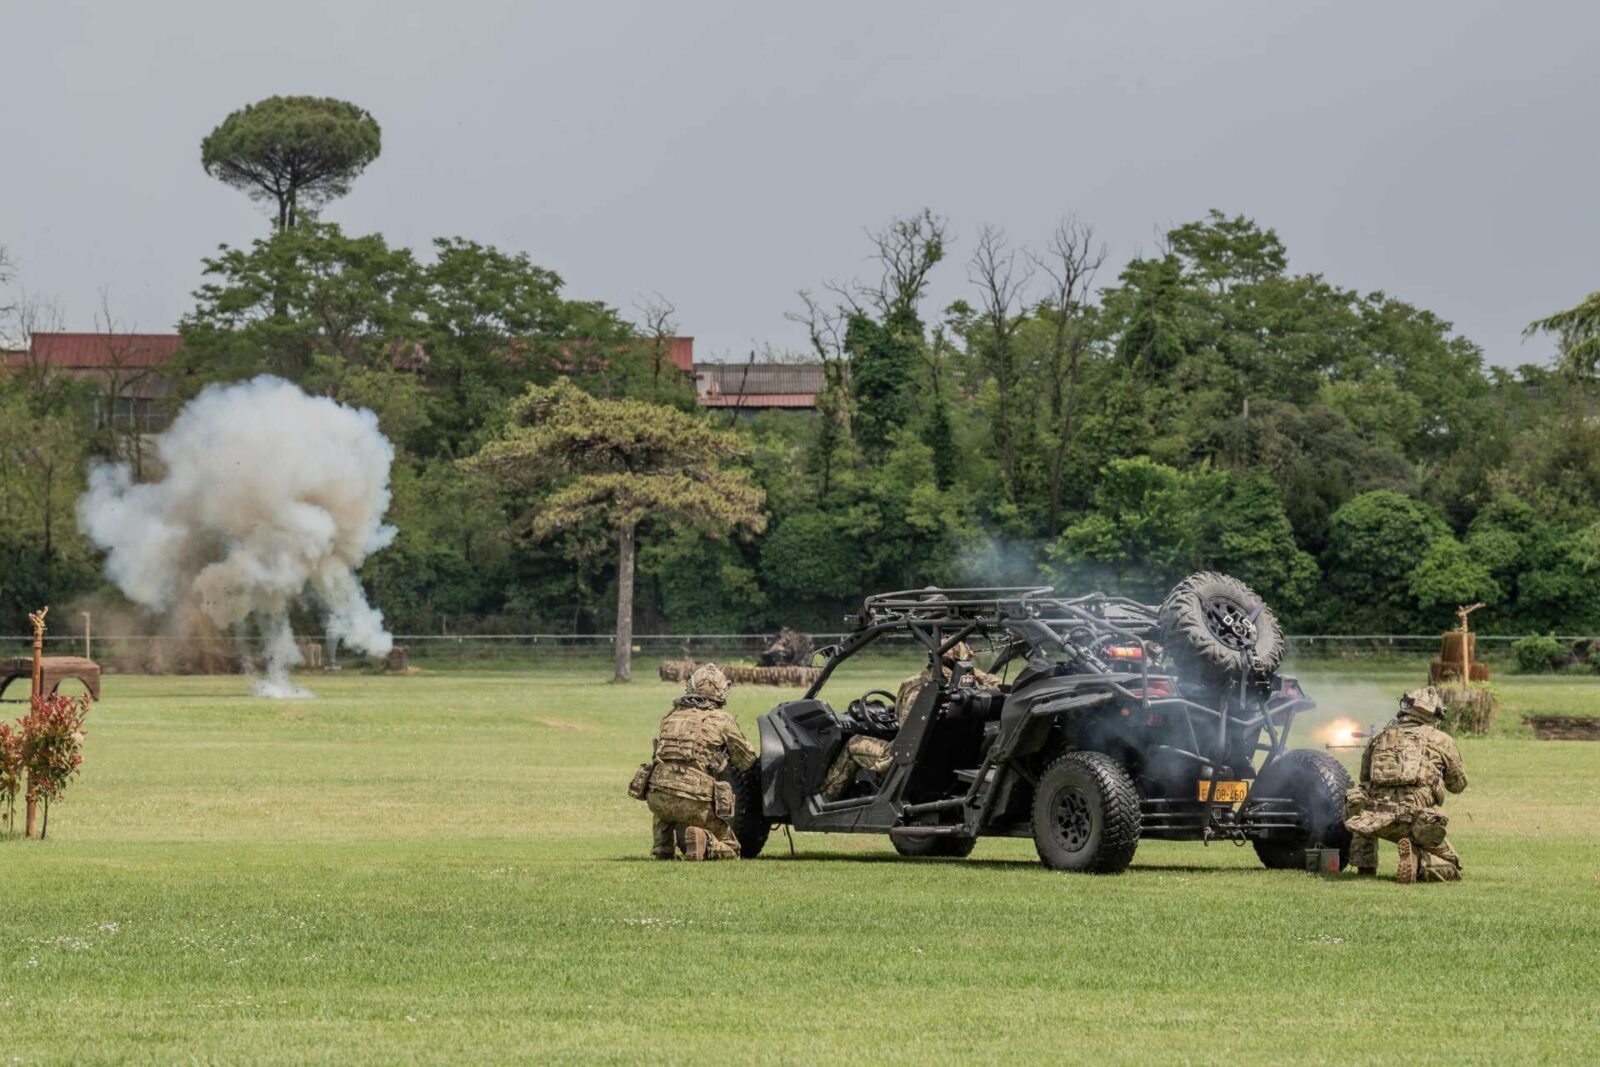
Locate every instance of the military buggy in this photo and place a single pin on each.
(1115, 721)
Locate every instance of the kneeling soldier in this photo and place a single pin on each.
(1405, 772)
(695, 743)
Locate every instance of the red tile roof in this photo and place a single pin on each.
(759, 400)
(102, 351)
(680, 352)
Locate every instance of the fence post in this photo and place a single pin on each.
(37, 618)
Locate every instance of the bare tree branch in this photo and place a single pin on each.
(1070, 261)
(659, 327)
(994, 269)
(907, 249)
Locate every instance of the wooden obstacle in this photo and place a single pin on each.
(1457, 648)
(53, 670)
(1467, 710)
(740, 674)
(1458, 655)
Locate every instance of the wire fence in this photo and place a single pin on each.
(159, 652)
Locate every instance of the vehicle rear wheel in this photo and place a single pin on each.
(917, 847)
(1316, 782)
(1086, 815)
(1213, 625)
(749, 825)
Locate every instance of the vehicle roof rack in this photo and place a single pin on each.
(968, 602)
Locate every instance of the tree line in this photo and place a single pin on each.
(1347, 453)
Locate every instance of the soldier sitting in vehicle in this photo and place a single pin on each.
(1405, 772)
(874, 754)
(696, 742)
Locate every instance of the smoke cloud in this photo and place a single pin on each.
(269, 497)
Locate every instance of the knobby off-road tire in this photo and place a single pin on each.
(1086, 815)
(1317, 784)
(1199, 643)
(749, 825)
(917, 847)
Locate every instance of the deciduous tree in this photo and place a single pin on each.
(624, 463)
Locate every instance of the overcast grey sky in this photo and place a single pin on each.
(728, 154)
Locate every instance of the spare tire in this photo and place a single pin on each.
(1214, 627)
(749, 824)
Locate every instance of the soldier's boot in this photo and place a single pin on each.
(696, 844)
(1406, 872)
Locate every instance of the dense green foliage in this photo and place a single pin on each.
(1536, 653)
(621, 465)
(1345, 452)
(297, 151)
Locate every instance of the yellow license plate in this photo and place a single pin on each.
(1227, 792)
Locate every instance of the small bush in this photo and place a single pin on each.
(52, 746)
(1537, 654)
(11, 773)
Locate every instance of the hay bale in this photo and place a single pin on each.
(399, 661)
(743, 674)
(789, 677)
(1440, 671)
(1471, 712)
(1450, 646)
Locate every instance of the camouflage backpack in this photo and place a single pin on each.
(1400, 758)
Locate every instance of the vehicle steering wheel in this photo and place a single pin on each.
(874, 715)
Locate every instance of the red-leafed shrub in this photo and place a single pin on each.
(10, 772)
(52, 746)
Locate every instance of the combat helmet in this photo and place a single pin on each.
(1422, 704)
(709, 682)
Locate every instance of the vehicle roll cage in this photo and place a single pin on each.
(1037, 618)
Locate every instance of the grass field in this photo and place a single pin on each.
(446, 868)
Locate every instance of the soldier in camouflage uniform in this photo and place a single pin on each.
(874, 754)
(1405, 772)
(696, 741)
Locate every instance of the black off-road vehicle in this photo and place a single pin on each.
(1116, 721)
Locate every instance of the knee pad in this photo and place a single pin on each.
(1428, 828)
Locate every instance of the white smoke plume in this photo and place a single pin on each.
(268, 496)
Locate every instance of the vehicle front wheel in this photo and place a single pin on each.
(1086, 815)
(1316, 783)
(917, 847)
(749, 825)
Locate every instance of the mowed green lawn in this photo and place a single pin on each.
(446, 868)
